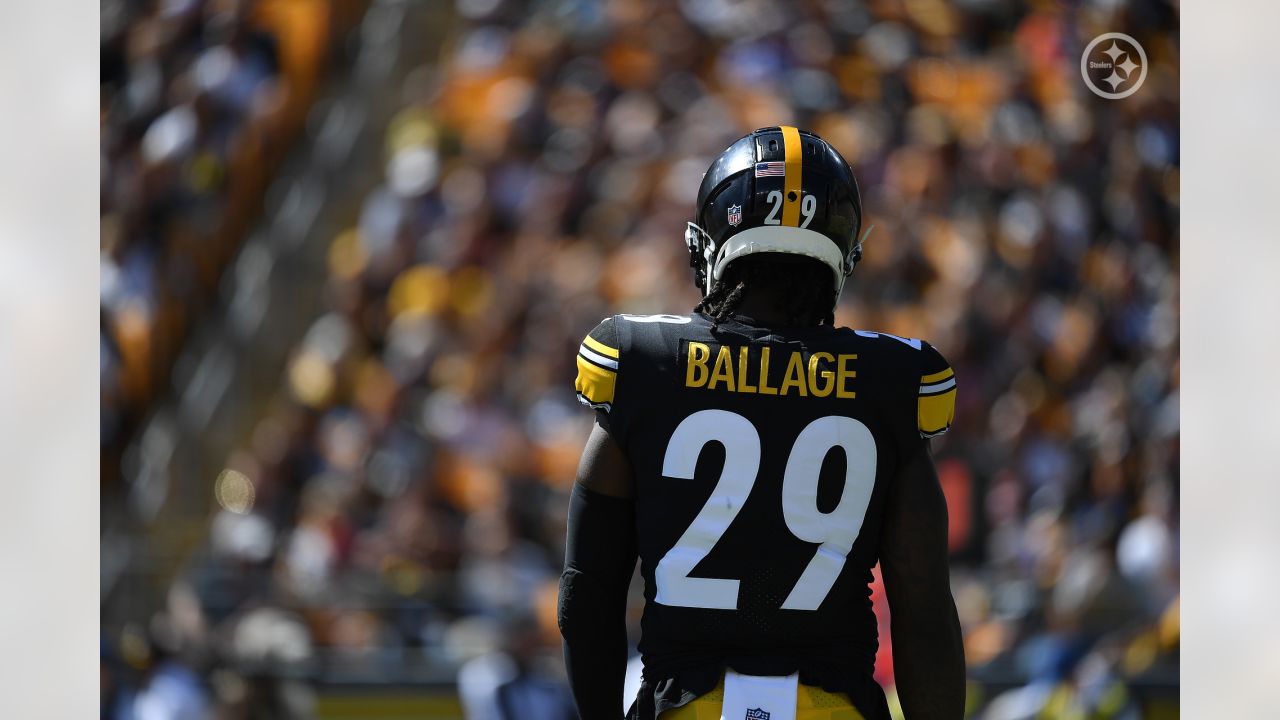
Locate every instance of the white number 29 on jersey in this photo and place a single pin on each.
(836, 531)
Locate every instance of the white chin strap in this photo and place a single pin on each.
(779, 239)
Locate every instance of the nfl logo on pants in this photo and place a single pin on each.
(756, 714)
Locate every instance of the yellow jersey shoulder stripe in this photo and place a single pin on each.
(936, 377)
(596, 358)
(595, 384)
(599, 347)
(597, 373)
(936, 406)
(936, 412)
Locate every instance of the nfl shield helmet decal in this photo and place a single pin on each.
(756, 714)
(735, 219)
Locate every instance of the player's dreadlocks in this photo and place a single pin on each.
(804, 286)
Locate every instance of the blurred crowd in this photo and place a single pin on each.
(401, 502)
(199, 99)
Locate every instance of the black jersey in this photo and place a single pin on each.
(761, 458)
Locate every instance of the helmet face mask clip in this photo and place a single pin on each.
(702, 251)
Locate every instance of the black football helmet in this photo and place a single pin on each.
(777, 190)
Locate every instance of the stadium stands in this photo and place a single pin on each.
(396, 509)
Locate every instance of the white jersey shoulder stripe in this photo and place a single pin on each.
(597, 358)
(938, 387)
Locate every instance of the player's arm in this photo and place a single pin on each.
(600, 554)
(928, 650)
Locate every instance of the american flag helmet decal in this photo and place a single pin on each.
(775, 168)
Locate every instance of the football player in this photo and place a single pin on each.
(760, 461)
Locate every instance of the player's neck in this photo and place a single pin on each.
(764, 310)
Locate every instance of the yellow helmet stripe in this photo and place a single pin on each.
(792, 154)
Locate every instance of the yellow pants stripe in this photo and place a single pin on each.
(811, 704)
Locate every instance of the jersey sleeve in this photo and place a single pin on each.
(598, 366)
(936, 404)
